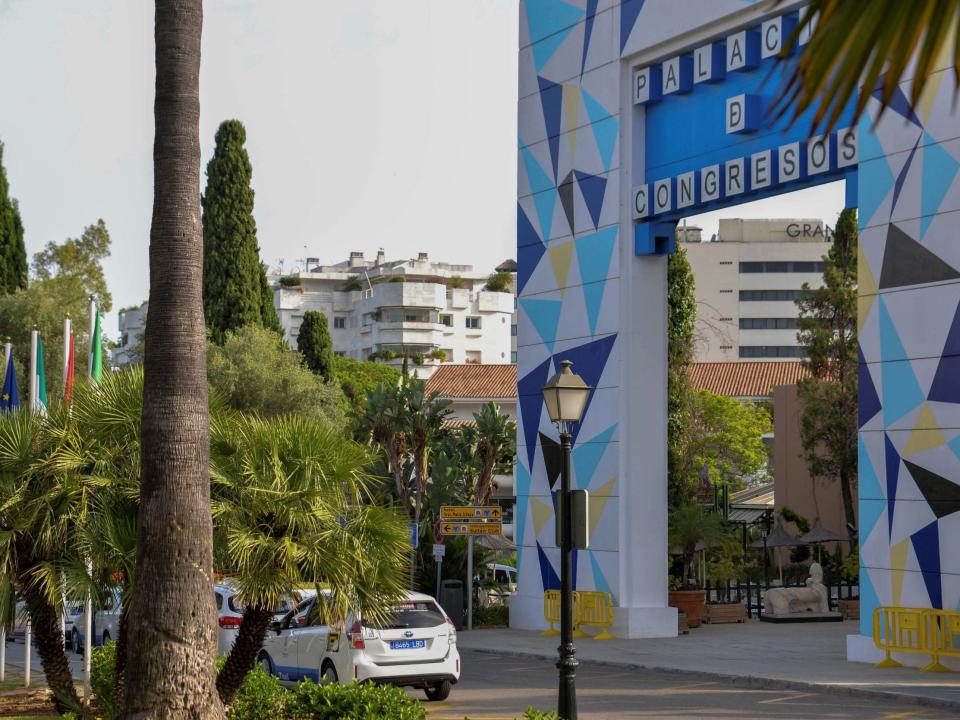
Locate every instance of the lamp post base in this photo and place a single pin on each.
(567, 697)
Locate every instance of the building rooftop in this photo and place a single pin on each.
(474, 380)
(745, 379)
(733, 379)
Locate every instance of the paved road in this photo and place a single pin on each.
(499, 688)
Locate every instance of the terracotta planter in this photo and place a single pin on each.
(850, 608)
(690, 602)
(725, 613)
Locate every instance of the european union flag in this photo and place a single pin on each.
(10, 399)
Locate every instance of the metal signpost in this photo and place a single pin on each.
(471, 520)
(439, 550)
(414, 544)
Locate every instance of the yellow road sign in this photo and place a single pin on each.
(470, 512)
(471, 528)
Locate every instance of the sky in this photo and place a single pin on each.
(823, 202)
(370, 123)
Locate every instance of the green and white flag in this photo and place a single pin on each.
(38, 374)
(96, 344)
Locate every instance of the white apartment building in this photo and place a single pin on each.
(432, 312)
(132, 322)
(747, 280)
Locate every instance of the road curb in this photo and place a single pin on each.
(757, 683)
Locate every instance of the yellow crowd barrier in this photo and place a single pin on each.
(923, 631)
(590, 608)
(551, 611)
(596, 609)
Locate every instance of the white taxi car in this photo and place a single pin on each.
(416, 647)
(230, 612)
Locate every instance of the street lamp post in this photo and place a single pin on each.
(565, 396)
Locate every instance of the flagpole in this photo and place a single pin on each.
(33, 369)
(66, 350)
(88, 615)
(93, 322)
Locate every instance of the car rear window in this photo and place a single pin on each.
(235, 605)
(414, 614)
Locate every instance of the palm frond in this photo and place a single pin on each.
(876, 45)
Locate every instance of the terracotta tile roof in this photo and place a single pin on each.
(456, 423)
(474, 381)
(745, 379)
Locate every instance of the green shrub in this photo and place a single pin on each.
(493, 615)
(260, 696)
(532, 714)
(102, 665)
(363, 701)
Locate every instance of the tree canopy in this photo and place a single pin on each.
(79, 259)
(725, 436)
(13, 254)
(66, 275)
(358, 378)
(254, 370)
(235, 288)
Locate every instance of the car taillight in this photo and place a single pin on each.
(453, 630)
(356, 636)
(229, 621)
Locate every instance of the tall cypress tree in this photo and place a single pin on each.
(268, 311)
(828, 330)
(234, 279)
(315, 344)
(13, 255)
(681, 321)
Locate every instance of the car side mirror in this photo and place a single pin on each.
(275, 626)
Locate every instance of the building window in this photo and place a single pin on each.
(513, 357)
(770, 295)
(446, 320)
(726, 291)
(339, 353)
(473, 356)
(513, 331)
(768, 323)
(772, 351)
(782, 266)
(473, 323)
(726, 262)
(339, 323)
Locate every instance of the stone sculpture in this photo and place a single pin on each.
(813, 598)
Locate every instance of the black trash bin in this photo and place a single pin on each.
(452, 601)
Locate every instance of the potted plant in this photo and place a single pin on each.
(723, 570)
(850, 570)
(691, 526)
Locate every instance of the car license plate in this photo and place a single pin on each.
(407, 644)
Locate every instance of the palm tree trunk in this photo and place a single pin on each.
(173, 628)
(244, 652)
(120, 662)
(48, 636)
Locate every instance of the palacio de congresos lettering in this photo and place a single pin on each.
(710, 107)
